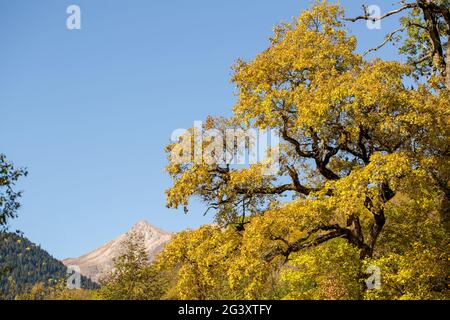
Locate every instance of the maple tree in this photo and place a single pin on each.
(355, 140)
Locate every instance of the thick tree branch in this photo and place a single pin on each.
(296, 144)
(367, 16)
(335, 232)
(322, 163)
(266, 190)
(296, 181)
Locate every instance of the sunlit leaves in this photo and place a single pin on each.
(8, 196)
(364, 160)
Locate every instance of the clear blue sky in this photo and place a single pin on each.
(89, 111)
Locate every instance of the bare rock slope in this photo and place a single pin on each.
(96, 264)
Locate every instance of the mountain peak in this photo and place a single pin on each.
(99, 262)
(144, 227)
(141, 224)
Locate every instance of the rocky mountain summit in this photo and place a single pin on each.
(99, 262)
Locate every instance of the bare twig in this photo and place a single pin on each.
(389, 37)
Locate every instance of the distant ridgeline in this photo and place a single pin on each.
(23, 264)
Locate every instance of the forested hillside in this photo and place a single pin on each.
(23, 264)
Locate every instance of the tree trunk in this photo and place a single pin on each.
(440, 58)
(377, 227)
(447, 63)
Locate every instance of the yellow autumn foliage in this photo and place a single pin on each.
(364, 178)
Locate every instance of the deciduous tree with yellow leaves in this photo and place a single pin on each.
(363, 176)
